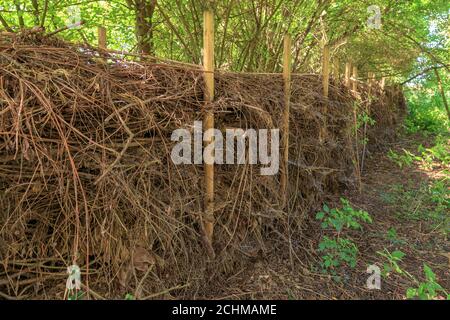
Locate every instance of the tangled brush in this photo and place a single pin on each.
(86, 175)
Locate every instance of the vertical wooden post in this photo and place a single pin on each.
(326, 70)
(383, 83)
(336, 70)
(208, 64)
(285, 132)
(348, 71)
(101, 32)
(325, 88)
(370, 79)
(354, 83)
(355, 79)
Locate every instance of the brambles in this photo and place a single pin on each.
(129, 296)
(85, 175)
(344, 217)
(426, 112)
(338, 251)
(425, 202)
(392, 237)
(429, 289)
(77, 295)
(364, 120)
(393, 260)
(402, 160)
(438, 154)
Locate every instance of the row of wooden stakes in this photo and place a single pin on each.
(350, 80)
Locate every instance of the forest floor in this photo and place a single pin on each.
(407, 195)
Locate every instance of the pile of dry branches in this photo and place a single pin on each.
(86, 175)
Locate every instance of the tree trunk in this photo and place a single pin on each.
(441, 88)
(144, 10)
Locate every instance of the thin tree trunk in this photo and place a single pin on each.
(188, 50)
(144, 24)
(19, 14)
(44, 13)
(5, 24)
(441, 88)
(35, 12)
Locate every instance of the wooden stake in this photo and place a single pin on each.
(208, 64)
(355, 79)
(101, 31)
(348, 71)
(325, 88)
(326, 70)
(370, 80)
(336, 69)
(354, 82)
(285, 132)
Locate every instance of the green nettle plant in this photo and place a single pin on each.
(403, 160)
(78, 295)
(428, 290)
(428, 202)
(393, 237)
(344, 217)
(439, 153)
(393, 260)
(338, 251)
(365, 119)
(129, 296)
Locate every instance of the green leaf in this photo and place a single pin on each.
(411, 293)
(429, 274)
(398, 255)
(129, 296)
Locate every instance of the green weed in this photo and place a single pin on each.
(392, 261)
(429, 289)
(403, 160)
(428, 202)
(392, 237)
(344, 217)
(338, 251)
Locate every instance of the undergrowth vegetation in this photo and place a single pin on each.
(428, 289)
(425, 201)
(428, 200)
(339, 250)
(426, 114)
(418, 200)
(436, 155)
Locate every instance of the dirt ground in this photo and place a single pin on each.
(283, 275)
